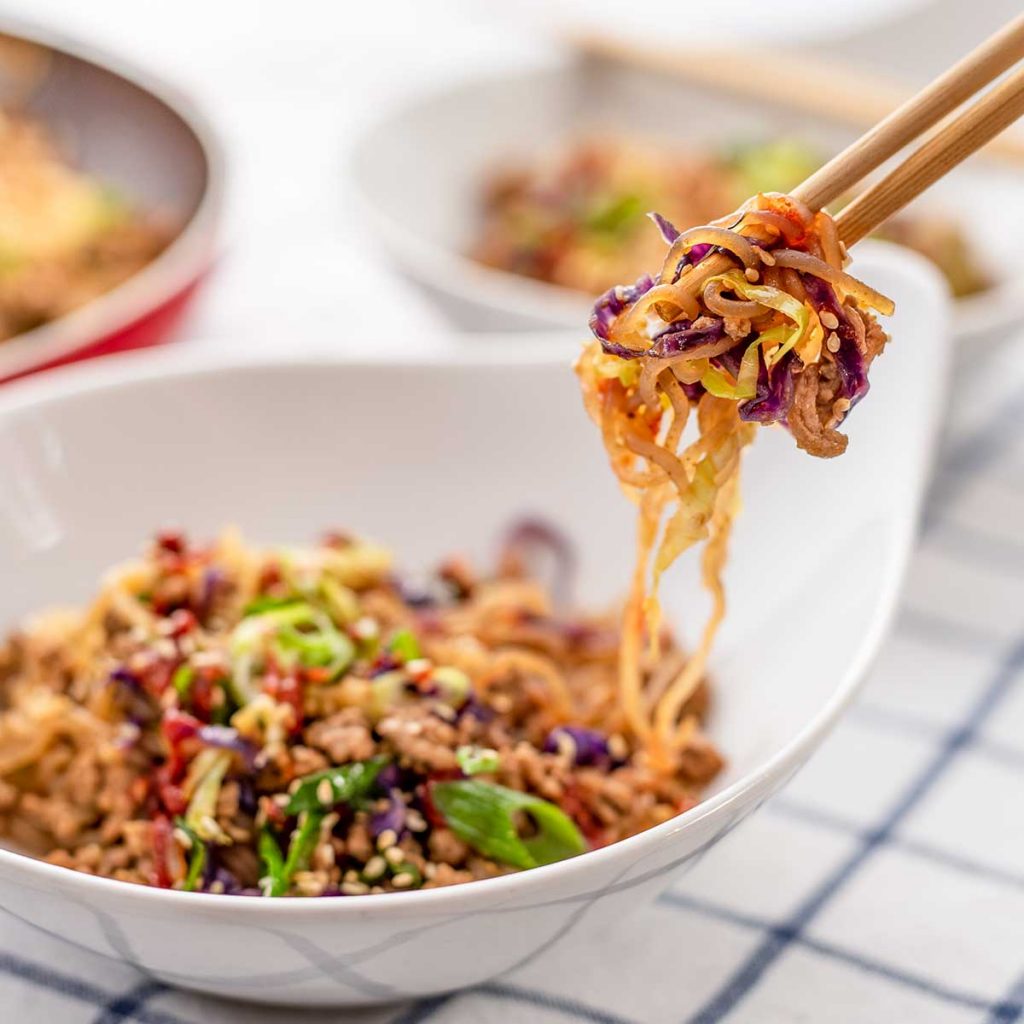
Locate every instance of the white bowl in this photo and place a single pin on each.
(432, 457)
(428, 220)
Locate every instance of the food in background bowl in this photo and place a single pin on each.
(64, 236)
(305, 722)
(577, 217)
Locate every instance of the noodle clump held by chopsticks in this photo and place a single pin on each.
(751, 320)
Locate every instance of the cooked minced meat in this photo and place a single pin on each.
(304, 722)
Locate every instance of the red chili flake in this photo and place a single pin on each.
(156, 676)
(573, 804)
(272, 812)
(179, 623)
(425, 793)
(162, 838)
(171, 541)
(269, 575)
(316, 674)
(171, 795)
(286, 689)
(177, 728)
(201, 692)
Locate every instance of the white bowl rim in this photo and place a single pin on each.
(127, 369)
(458, 275)
(174, 269)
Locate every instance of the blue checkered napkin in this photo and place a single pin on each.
(885, 885)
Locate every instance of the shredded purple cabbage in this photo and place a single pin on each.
(589, 746)
(682, 338)
(213, 580)
(667, 229)
(393, 817)
(849, 359)
(545, 552)
(225, 738)
(613, 302)
(774, 392)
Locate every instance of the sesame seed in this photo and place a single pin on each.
(387, 839)
(618, 747)
(429, 870)
(183, 838)
(403, 880)
(751, 274)
(394, 856)
(414, 728)
(374, 868)
(325, 792)
(217, 886)
(832, 344)
(280, 799)
(841, 405)
(355, 888)
(766, 257)
(830, 320)
(415, 821)
(566, 746)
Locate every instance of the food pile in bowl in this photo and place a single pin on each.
(65, 237)
(576, 217)
(307, 722)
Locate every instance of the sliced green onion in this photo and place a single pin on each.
(274, 881)
(303, 843)
(477, 760)
(196, 856)
(404, 645)
(341, 601)
(484, 816)
(182, 679)
(200, 816)
(453, 685)
(324, 790)
(321, 649)
(261, 605)
(295, 631)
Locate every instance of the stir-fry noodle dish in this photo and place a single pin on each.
(305, 722)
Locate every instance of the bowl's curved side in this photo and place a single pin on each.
(139, 134)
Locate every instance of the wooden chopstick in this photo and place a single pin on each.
(980, 67)
(955, 141)
(832, 90)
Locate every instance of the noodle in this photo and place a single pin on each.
(766, 363)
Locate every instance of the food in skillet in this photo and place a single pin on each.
(752, 320)
(577, 218)
(65, 238)
(306, 722)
